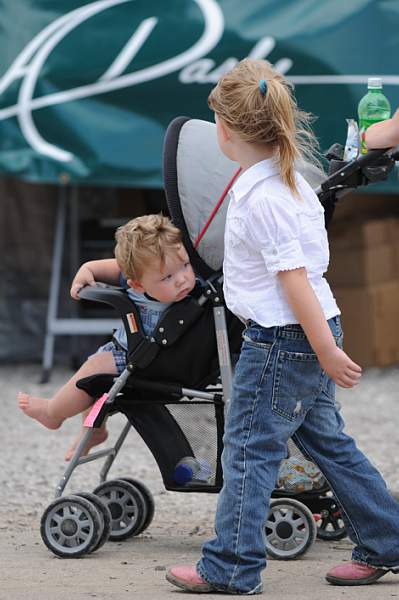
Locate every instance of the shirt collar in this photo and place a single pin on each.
(258, 172)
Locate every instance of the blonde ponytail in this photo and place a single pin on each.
(265, 112)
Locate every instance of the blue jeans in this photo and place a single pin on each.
(279, 392)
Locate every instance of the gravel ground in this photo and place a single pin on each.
(32, 464)
(32, 459)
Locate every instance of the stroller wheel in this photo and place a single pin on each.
(290, 529)
(105, 516)
(71, 526)
(148, 500)
(127, 507)
(331, 526)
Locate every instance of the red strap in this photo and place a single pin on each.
(216, 208)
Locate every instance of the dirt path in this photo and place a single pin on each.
(31, 463)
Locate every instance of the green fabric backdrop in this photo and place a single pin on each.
(87, 89)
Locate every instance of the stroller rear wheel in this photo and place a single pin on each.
(148, 500)
(127, 507)
(331, 526)
(71, 526)
(290, 529)
(105, 515)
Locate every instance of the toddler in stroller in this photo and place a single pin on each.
(149, 253)
(175, 400)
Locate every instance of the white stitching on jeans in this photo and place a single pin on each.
(306, 451)
(244, 463)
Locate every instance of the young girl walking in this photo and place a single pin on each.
(276, 253)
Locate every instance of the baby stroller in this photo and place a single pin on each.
(177, 401)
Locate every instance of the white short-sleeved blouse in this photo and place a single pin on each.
(268, 230)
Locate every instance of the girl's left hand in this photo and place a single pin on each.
(341, 368)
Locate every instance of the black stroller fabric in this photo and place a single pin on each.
(192, 361)
(153, 399)
(171, 427)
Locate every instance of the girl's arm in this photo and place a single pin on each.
(105, 270)
(384, 134)
(306, 307)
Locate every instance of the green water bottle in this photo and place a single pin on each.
(373, 107)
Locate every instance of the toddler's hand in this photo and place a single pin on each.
(341, 368)
(83, 277)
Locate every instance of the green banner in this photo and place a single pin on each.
(87, 88)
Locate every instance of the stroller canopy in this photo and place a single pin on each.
(195, 175)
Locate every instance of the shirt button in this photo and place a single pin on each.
(274, 251)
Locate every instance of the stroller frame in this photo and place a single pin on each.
(113, 522)
(124, 507)
(114, 296)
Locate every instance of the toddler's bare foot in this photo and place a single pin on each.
(98, 437)
(37, 408)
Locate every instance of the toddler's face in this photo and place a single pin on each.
(171, 282)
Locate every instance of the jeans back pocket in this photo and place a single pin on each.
(296, 383)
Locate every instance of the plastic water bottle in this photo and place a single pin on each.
(373, 107)
(192, 470)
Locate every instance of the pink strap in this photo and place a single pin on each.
(93, 414)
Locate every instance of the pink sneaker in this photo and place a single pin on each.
(187, 578)
(354, 573)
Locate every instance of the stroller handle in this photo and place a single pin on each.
(340, 177)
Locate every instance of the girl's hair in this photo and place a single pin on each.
(145, 240)
(257, 103)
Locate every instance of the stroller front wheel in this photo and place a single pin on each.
(290, 529)
(127, 507)
(71, 526)
(148, 501)
(105, 515)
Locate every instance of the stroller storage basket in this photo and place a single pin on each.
(175, 431)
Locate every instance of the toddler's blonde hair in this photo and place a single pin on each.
(271, 118)
(143, 241)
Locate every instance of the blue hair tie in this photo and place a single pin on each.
(263, 86)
